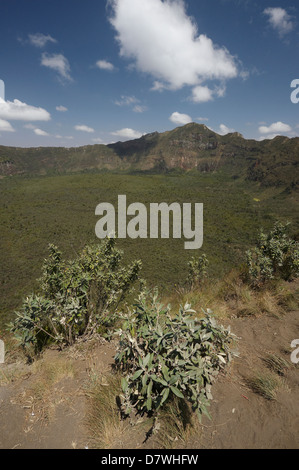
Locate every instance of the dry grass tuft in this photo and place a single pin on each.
(176, 424)
(264, 384)
(276, 364)
(104, 420)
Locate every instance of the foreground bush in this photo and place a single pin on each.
(166, 356)
(275, 256)
(77, 297)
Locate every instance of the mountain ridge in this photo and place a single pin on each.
(190, 147)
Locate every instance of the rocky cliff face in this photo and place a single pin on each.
(191, 147)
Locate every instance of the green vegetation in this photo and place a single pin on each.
(194, 146)
(275, 256)
(197, 270)
(165, 355)
(166, 361)
(61, 210)
(78, 297)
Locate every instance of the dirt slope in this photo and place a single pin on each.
(43, 406)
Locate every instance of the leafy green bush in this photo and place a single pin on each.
(165, 356)
(77, 297)
(275, 256)
(197, 270)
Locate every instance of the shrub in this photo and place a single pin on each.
(77, 297)
(165, 356)
(197, 270)
(275, 256)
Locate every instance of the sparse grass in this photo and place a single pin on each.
(276, 364)
(42, 397)
(264, 384)
(13, 372)
(104, 420)
(51, 372)
(109, 430)
(176, 423)
(231, 297)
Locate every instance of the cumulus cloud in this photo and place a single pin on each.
(127, 134)
(180, 119)
(275, 129)
(40, 132)
(163, 41)
(105, 65)
(18, 111)
(59, 63)
(83, 128)
(61, 109)
(5, 126)
(280, 20)
(40, 40)
(2, 90)
(223, 130)
(201, 94)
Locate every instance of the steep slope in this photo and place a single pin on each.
(191, 147)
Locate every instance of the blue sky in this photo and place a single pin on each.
(83, 72)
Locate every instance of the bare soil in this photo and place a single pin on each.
(38, 411)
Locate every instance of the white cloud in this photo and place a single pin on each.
(40, 40)
(2, 90)
(40, 132)
(180, 119)
(163, 41)
(202, 119)
(220, 91)
(18, 111)
(131, 101)
(268, 137)
(280, 20)
(223, 130)
(5, 126)
(105, 65)
(59, 63)
(97, 140)
(158, 86)
(61, 109)
(127, 134)
(126, 101)
(277, 128)
(139, 108)
(84, 128)
(201, 94)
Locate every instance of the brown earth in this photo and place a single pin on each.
(44, 405)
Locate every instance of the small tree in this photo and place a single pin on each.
(197, 270)
(77, 297)
(275, 256)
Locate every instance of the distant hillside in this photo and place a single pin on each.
(191, 147)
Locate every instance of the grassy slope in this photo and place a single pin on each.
(60, 209)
